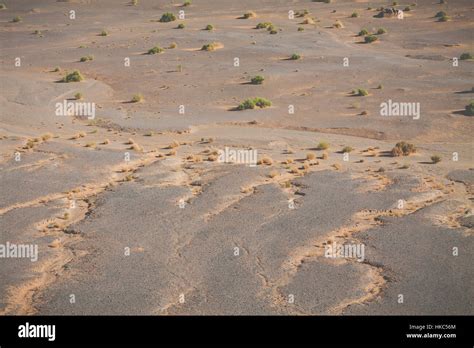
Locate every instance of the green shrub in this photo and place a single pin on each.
(167, 17)
(78, 96)
(440, 14)
(443, 19)
(262, 102)
(346, 149)
(263, 25)
(360, 92)
(249, 14)
(407, 9)
(300, 29)
(247, 104)
(295, 56)
(435, 159)
(257, 80)
(354, 15)
(16, 19)
(181, 26)
(403, 148)
(466, 56)
(323, 145)
(209, 47)
(363, 32)
(370, 38)
(271, 27)
(273, 31)
(252, 103)
(155, 50)
(103, 33)
(209, 27)
(87, 58)
(381, 31)
(75, 76)
(137, 98)
(470, 108)
(187, 3)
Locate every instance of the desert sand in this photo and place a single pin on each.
(134, 212)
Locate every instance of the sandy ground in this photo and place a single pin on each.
(133, 214)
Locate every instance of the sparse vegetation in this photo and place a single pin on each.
(300, 29)
(381, 31)
(46, 136)
(370, 38)
(466, 56)
(363, 32)
(295, 56)
(78, 96)
(346, 149)
(444, 19)
(273, 174)
(354, 15)
(16, 19)
(209, 27)
(470, 108)
(173, 45)
(137, 98)
(252, 103)
(56, 69)
(403, 148)
(75, 76)
(249, 14)
(265, 160)
(263, 25)
(87, 58)
(310, 156)
(360, 92)
(103, 33)
(181, 26)
(323, 145)
(187, 3)
(167, 17)
(257, 80)
(209, 47)
(324, 156)
(435, 159)
(155, 50)
(440, 14)
(338, 25)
